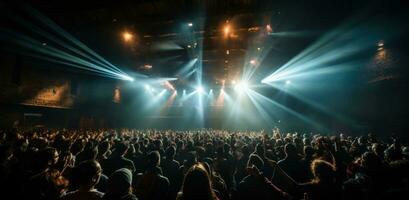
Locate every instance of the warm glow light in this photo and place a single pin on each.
(269, 29)
(117, 95)
(226, 30)
(127, 36)
(171, 98)
(168, 85)
(220, 98)
(253, 62)
(227, 52)
(147, 66)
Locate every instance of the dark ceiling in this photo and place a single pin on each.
(162, 37)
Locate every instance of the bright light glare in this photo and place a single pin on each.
(252, 62)
(288, 82)
(127, 36)
(241, 86)
(226, 30)
(190, 24)
(127, 78)
(147, 87)
(200, 90)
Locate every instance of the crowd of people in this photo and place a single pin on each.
(48, 164)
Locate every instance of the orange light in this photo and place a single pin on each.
(127, 36)
(226, 30)
(269, 29)
(147, 66)
(117, 95)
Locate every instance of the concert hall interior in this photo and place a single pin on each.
(214, 99)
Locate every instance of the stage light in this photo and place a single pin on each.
(127, 78)
(190, 24)
(184, 91)
(188, 46)
(241, 86)
(269, 29)
(258, 48)
(127, 36)
(288, 82)
(162, 92)
(226, 30)
(147, 66)
(227, 52)
(200, 90)
(147, 87)
(380, 43)
(253, 62)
